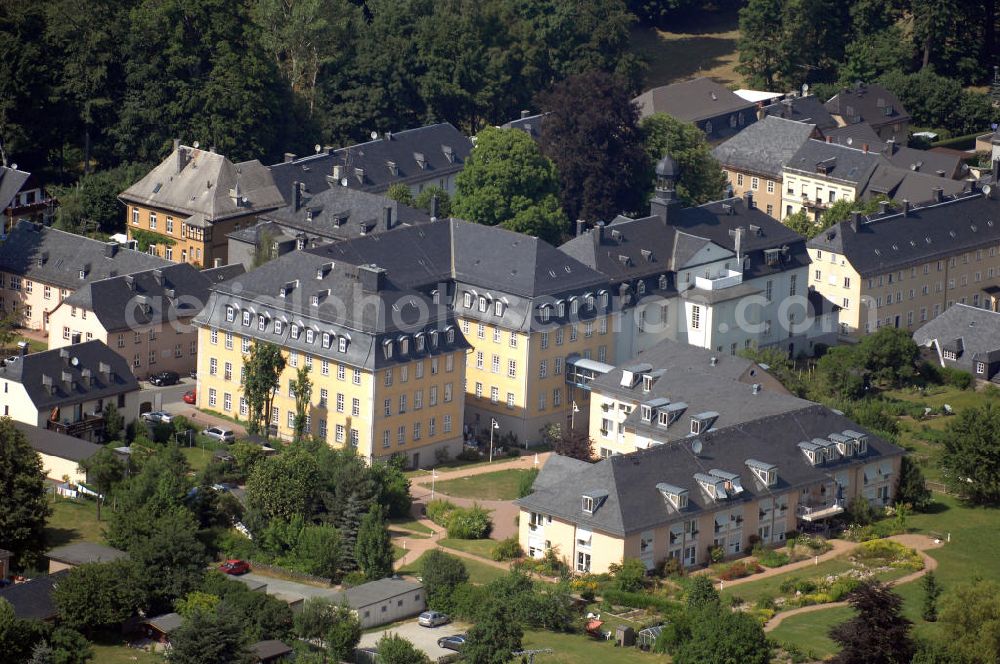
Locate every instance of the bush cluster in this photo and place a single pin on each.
(739, 570)
(771, 557)
(462, 522)
(508, 549)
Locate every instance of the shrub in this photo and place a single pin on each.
(842, 587)
(766, 602)
(772, 558)
(630, 576)
(351, 579)
(507, 549)
(739, 570)
(956, 378)
(438, 510)
(468, 454)
(469, 523)
(525, 484)
(716, 554)
(883, 552)
(639, 601)
(672, 567)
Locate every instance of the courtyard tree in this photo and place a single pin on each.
(373, 548)
(971, 457)
(301, 387)
(25, 504)
(264, 365)
(104, 470)
(701, 178)
(878, 633)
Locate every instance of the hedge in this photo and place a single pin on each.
(639, 600)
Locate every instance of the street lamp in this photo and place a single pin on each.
(433, 478)
(493, 427)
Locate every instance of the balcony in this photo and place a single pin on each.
(91, 426)
(819, 511)
(726, 279)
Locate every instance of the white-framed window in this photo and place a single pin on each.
(213, 397)
(695, 317)
(227, 402)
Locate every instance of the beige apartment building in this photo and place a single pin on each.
(821, 173)
(713, 490)
(145, 317)
(754, 159)
(42, 266)
(905, 267)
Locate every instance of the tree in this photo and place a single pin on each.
(98, 596)
(526, 482)
(26, 506)
(392, 486)
(9, 324)
(209, 636)
(317, 616)
(701, 593)
(840, 373)
(343, 635)
(890, 356)
(970, 617)
(42, 654)
(394, 649)
(301, 387)
(494, 637)
(507, 181)
(114, 422)
(374, 548)
(592, 136)
(722, 636)
(701, 177)
(196, 601)
(91, 204)
(69, 646)
(931, 593)
(971, 458)
(630, 575)
(441, 574)
(104, 471)
(176, 554)
(400, 192)
(261, 616)
(263, 365)
(246, 455)
(569, 442)
(423, 201)
(762, 51)
(878, 634)
(284, 485)
(911, 489)
(17, 635)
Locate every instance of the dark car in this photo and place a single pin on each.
(235, 567)
(165, 378)
(455, 642)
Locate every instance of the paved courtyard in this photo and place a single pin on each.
(424, 638)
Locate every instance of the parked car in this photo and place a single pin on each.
(235, 567)
(219, 434)
(191, 396)
(157, 416)
(433, 619)
(164, 378)
(455, 642)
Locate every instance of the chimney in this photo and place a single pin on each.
(22, 348)
(865, 148)
(761, 113)
(64, 355)
(600, 231)
(755, 388)
(217, 262)
(525, 114)
(177, 144)
(855, 221)
(289, 157)
(748, 199)
(372, 278)
(387, 217)
(181, 157)
(338, 172)
(883, 207)
(130, 282)
(388, 135)
(713, 361)
(829, 139)
(938, 193)
(110, 249)
(434, 207)
(581, 227)
(211, 149)
(158, 277)
(296, 196)
(906, 208)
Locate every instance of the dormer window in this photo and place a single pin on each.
(294, 331)
(404, 345)
(574, 306)
(279, 327)
(467, 299)
(246, 319)
(342, 344)
(421, 343)
(560, 308)
(772, 256)
(498, 308)
(647, 382)
(544, 313)
(327, 340)
(387, 349)
(646, 412)
(767, 473)
(230, 314)
(675, 495)
(310, 336)
(261, 322)
(813, 452)
(482, 303)
(450, 335)
(592, 500)
(664, 418)
(602, 297)
(588, 505)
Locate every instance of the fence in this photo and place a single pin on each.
(938, 487)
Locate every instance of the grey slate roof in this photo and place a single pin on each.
(530, 124)
(57, 444)
(899, 240)
(856, 136)
(374, 592)
(867, 103)
(11, 182)
(802, 109)
(81, 553)
(690, 101)
(842, 163)
(635, 504)
(685, 375)
(765, 146)
(32, 600)
(976, 331)
(271, 648)
(671, 243)
(341, 213)
(198, 182)
(80, 363)
(400, 148)
(56, 257)
(166, 623)
(926, 161)
(175, 292)
(902, 184)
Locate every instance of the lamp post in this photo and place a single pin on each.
(493, 426)
(433, 478)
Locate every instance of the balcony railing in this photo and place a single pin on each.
(819, 511)
(725, 280)
(89, 423)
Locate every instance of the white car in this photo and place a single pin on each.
(158, 416)
(219, 434)
(433, 619)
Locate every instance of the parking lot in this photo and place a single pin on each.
(424, 638)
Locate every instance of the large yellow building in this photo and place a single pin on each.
(387, 377)
(183, 209)
(903, 267)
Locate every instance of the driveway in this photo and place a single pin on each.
(285, 587)
(424, 638)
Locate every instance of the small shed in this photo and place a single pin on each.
(624, 636)
(159, 628)
(271, 651)
(384, 601)
(60, 454)
(80, 553)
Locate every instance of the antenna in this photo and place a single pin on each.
(696, 447)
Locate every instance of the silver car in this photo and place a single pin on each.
(433, 619)
(158, 416)
(219, 434)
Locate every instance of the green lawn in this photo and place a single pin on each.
(809, 631)
(751, 591)
(197, 457)
(483, 547)
(479, 573)
(410, 524)
(501, 485)
(125, 655)
(702, 45)
(73, 521)
(576, 648)
(454, 464)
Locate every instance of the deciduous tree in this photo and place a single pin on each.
(878, 634)
(104, 470)
(209, 636)
(441, 574)
(263, 365)
(301, 387)
(374, 548)
(970, 616)
(394, 649)
(495, 636)
(971, 457)
(25, 504)
(284, 485)
(912, 488)
(701, 178)
(722, 636)
(98, 596)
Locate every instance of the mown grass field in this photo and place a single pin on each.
(74, 521)
(576, 648)
(483, 547)
(703, 45)
(501, 485)
(479, 573)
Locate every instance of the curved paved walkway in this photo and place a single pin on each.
(839, 547)
(921, 543)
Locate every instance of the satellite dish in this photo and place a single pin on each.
(696, 447)
(850, 141)
(13, 167)
(374, 135)
(987, 189)
(805, 89)
(317, 147)
(74, 361)
(343, 182)
(196, 145)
